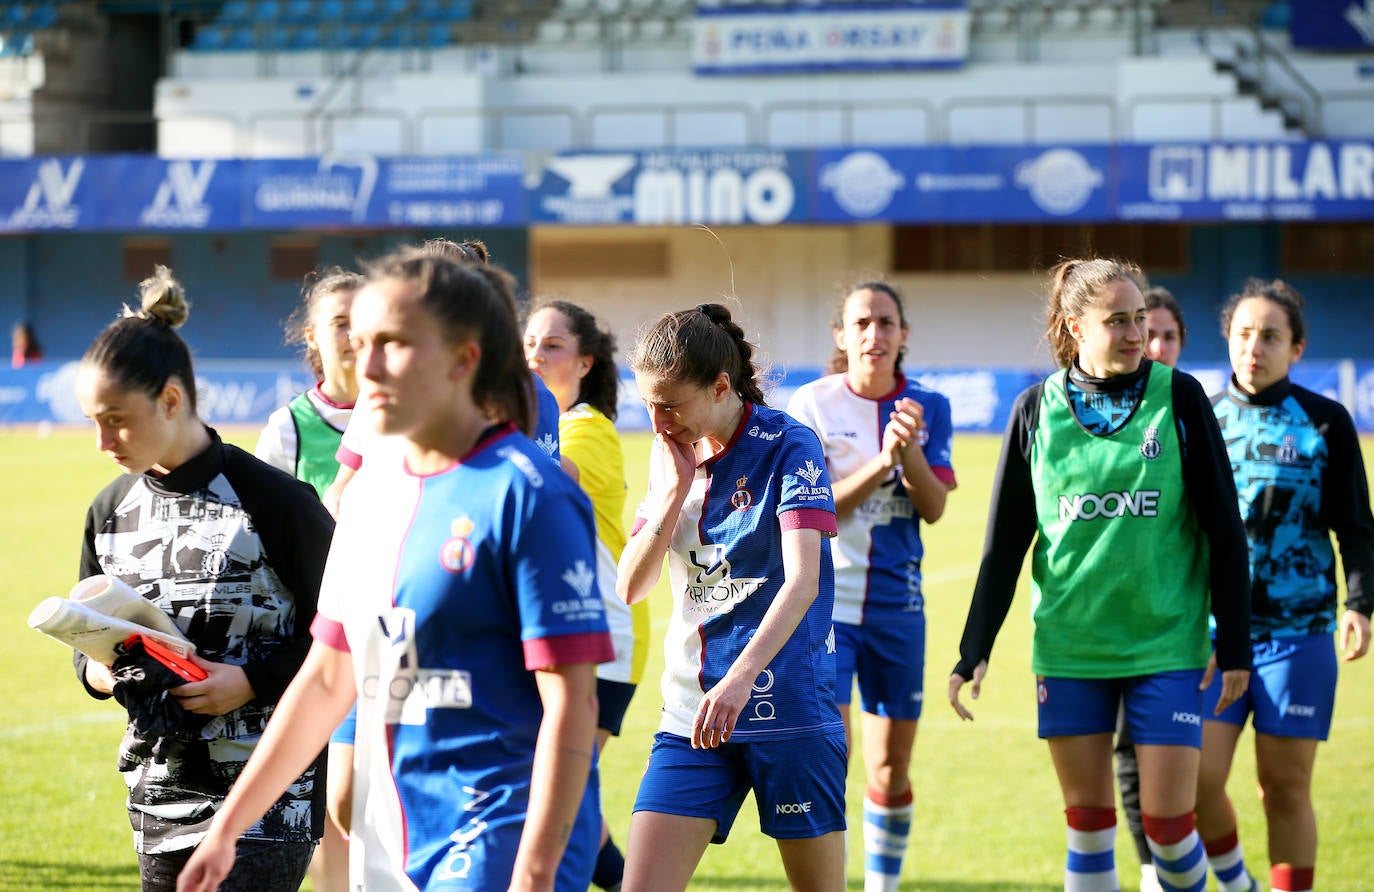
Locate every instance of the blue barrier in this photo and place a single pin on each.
(980, 398)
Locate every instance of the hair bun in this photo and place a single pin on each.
(163, 298)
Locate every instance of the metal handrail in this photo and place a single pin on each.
(847, 112)
(1028, 105)
(1315, 122)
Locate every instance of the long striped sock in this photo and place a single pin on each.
(1180, 859)
(1287, 878)
(1092, 850)
(887, 828)
(1228, 863)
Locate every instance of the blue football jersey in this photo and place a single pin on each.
(448, 590)
(878, 551)
(725, 567)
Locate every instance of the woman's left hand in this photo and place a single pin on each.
(1354, 623)
(719, 712)
(225, 690)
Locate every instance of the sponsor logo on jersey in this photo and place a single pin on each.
(1188, 718)
(712, 586)
(848, 435)
(580, 577)
(761, 707)
(457, 554)
(811, 472)
(404, 691)
(522, 461)
(758, 432)
(547, 443)
(1150, 448)
(1091, 506)
(792, 808)
(742, 498)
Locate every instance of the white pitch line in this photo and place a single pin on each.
(76, 721)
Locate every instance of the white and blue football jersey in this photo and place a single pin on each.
(448, 590)
(725, 567)
(878, 551)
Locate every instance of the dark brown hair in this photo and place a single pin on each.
(694, 346)
(1074, 286)
(141, 351)
(600, 387)
(1156, 298)
(1281, 293)
(473, 302)
(839, 359)
(317, 286)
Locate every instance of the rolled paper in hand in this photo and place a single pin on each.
(113, 597)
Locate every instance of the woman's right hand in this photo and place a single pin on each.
(672, 465)
(209, 864)
(99, 677)
(956, 683)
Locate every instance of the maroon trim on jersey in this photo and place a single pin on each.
(320, 394)
(348, 458)
(808, 519)
(563, 650)
(885, 398)
(329, 632)
(944, 475)
(744, 417)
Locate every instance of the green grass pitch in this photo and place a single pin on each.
(988, 813)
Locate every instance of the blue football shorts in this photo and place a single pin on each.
(889, 659)
(798, 783)
(1164, 708)
(1292, 688)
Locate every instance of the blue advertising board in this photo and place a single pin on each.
(968, 184)
(130, 193)
(1331, 24)
(1183, 182)
(980, 398)
(674, 186)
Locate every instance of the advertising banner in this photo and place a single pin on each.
(970, 184)
(133, 193)
(763, 39)
(1332, 24)
(720, 186)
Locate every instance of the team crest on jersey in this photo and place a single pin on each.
(1287, 453)
(741, 498)
(1150, 448)
(457, 553)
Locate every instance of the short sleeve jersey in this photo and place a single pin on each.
(589, 440)
(1299, 476)
(878, 551)
(448, 591)
(725, 568)
(211, 545)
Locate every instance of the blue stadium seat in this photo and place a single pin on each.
(210, 37)
(369, 35)
(266, 11)
(43, 16)
(14, 16)
(394, 10)
(234, 11)
(362, 11)
(435, 34)
(398, 36)
(299, 12)
(241, 37)
(305, 37)
(274, 37)
(339, 36)
(330, 10)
